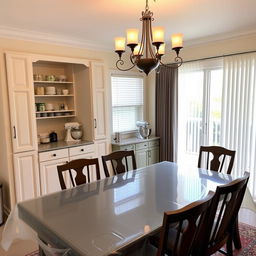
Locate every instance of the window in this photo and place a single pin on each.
(200, 94)
(127, 102)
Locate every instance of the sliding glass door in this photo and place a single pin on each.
(200, 92)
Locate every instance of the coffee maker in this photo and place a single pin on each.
(143, 129)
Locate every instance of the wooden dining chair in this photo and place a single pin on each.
(79, 167)
(222, 218)
(119, 162)
(179, 231)
(219, 158)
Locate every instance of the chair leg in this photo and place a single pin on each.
(236, 236)
(229, 246)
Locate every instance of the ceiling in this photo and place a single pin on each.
(94, 23)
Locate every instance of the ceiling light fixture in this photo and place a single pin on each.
(147, 54)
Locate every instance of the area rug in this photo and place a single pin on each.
(248, 239)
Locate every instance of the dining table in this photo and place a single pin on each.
(108, 216)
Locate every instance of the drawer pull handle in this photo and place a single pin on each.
(54, 155)
(82, 149)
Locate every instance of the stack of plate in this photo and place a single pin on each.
(50, 90)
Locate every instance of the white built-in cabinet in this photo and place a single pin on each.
(87, 100)
(26, 174)
(49, 177)
(99, 100)
(21, 102)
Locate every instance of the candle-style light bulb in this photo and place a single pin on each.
(177, 41)
(132, 36)
(120, 44)
(158, 35)
(137, 50)
(161, 50)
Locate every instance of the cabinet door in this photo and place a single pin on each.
(102, 148)
(21, 101)
(26, 175)
(141, 158)
(49, 176)
(153, 155)
(99, 100)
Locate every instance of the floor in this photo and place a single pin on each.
(21, 248)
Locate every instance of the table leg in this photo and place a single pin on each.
(236, 236)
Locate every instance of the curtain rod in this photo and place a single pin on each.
(220, 56)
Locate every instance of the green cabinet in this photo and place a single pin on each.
(146, 151)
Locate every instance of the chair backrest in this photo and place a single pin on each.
(78, 166)
(223, 214)
(216, 164)
(183, 224)
(119, 162)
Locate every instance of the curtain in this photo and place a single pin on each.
(239, 113)
(167, 111)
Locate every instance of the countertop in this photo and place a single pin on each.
(133, 140)
(61, 145)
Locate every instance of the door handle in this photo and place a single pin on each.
(14, 132)
(95, 123)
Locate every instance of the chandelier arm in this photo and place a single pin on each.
(131, 58)
(142, 44)
(178, 60)
(150, 41)
(121, 62)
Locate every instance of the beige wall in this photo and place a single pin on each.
(6, 171)
(204, 50)
(235, 45)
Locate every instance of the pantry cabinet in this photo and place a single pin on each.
(99, 100)
(21, 102)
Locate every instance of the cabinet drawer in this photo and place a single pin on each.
(141, 145)
(81, 150)
(127, 147)
(52, 155)
(153, 143)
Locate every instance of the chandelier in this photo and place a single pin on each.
(146, 55)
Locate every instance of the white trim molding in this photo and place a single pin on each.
(22, 34)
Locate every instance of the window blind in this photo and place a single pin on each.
(127, 102)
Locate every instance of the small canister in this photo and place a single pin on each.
(53, 137)
(41, 107)
(39, 90)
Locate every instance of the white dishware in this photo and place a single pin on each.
(50, 90)
(49, 107)
(65, 91)
(62, 78)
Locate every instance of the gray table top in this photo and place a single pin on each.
(102, 217)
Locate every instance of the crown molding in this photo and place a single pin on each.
(34, 36)
(219, 37)
(28, 35)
